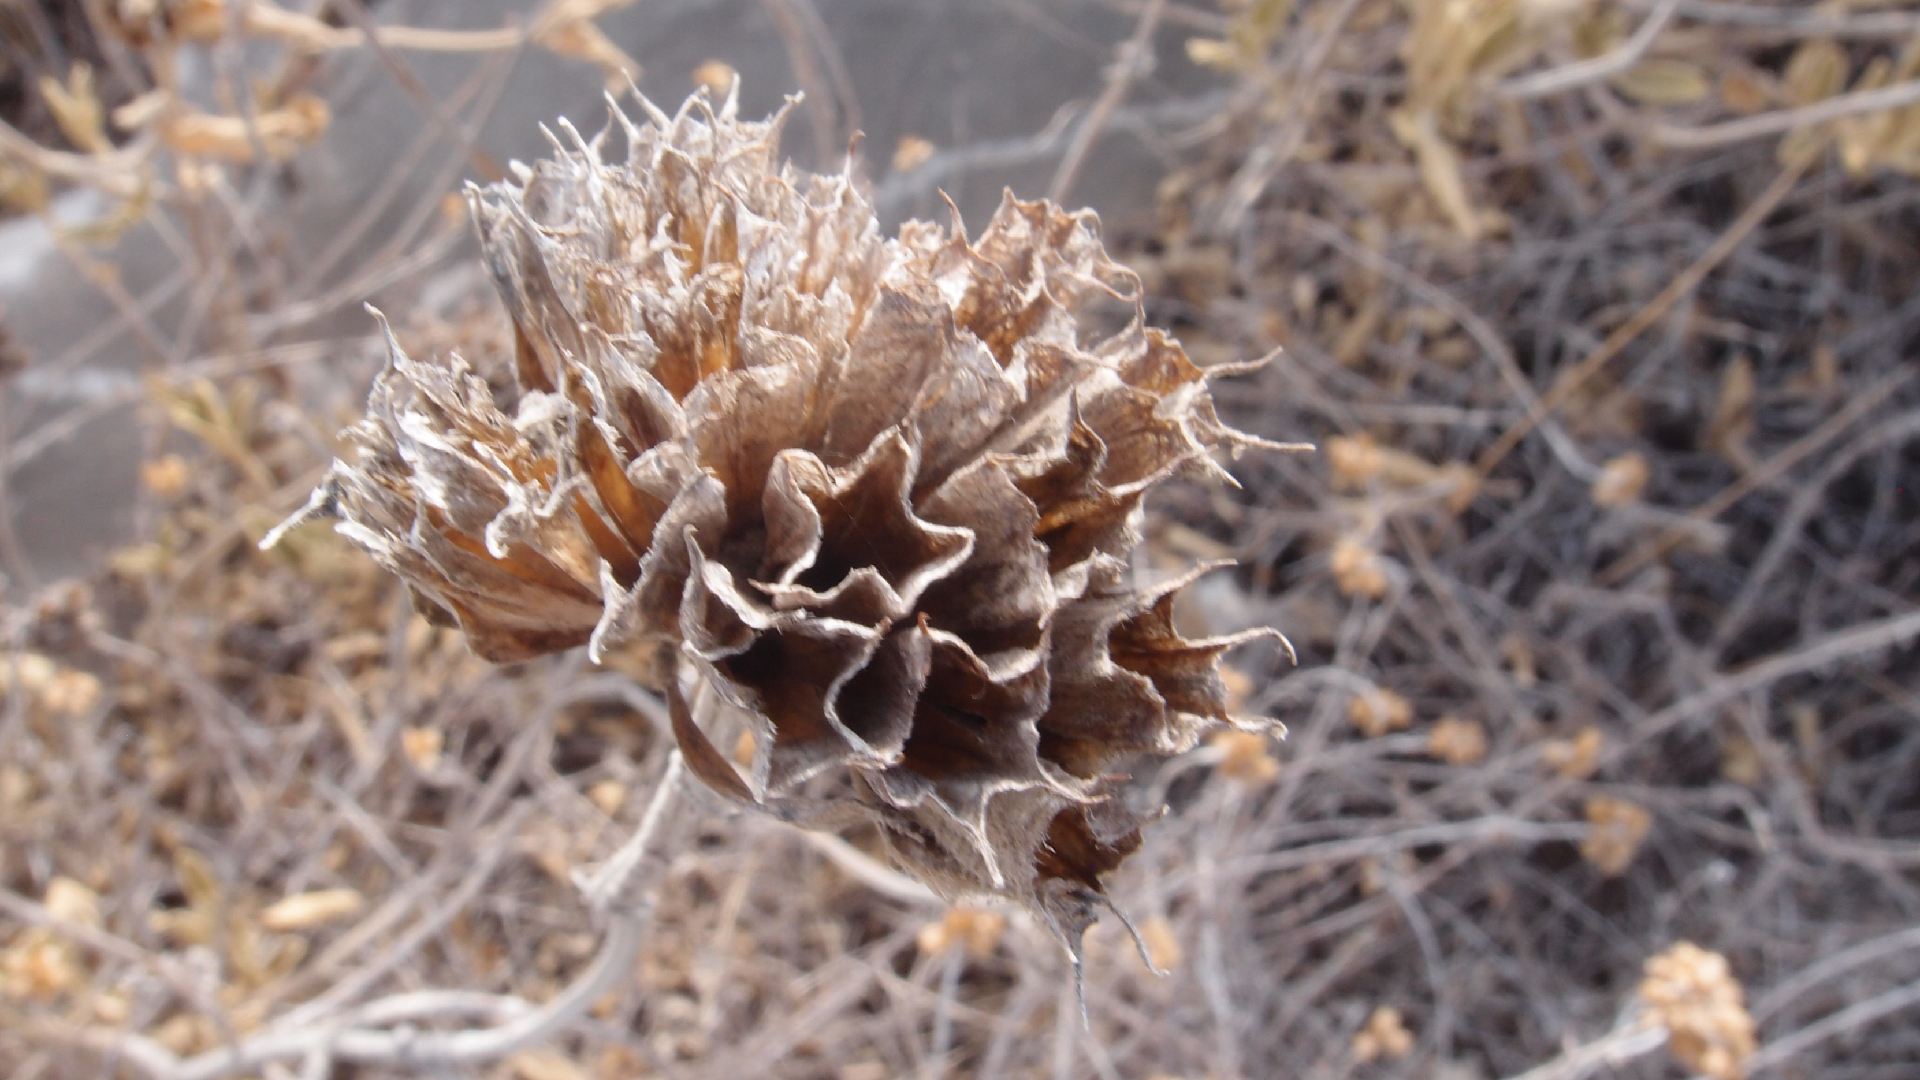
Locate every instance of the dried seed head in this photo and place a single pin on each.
(1244, 757)
(1378, 712)
(1457, 741)
(977, 929)
(1576, 758)
(1358, 570)
(1621, 480)
(1616, 828)
(870, 501)
(1354, 459)
(1385, 1035)
(1693, 993)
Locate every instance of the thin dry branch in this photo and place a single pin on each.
(1133, 59)
(1600, 68)
(1766, 125)
(378, 1032)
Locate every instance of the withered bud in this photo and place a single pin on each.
(870, 500)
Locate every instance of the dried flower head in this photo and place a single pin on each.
(1385, 1035)
(1244, 757)
(1616, 828)
(1457, 741)
(1621, 480)
(1358, 570)
(41, 962)
(1355, 459)
(1379, 711)
(978, 929)
(1692, 992)
(1576, 758)
(869, 501)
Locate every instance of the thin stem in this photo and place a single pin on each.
(1587, 72)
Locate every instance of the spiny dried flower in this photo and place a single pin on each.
(870, 501)
(1692, 992)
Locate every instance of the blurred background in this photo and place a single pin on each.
(1605, 745)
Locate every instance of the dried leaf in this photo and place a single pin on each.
(76, 108)
(281, 132)
(1216, 54)
(23, 188)
(1816, 71)
(1745, 91)
(1733, 412)
(717, 76)
(1664, 82)
(197, 879)
(31, 673)
(1439, 169)
(545, 1065)
(261, 18)
(71, 693)
(198, 20)
(1740, 761)
(581, 39)
(1621, 480)
(304, 911)
(911, 153)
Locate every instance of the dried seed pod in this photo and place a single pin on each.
(869, 500)
(1693, 993)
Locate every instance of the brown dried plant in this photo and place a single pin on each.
(1617, 828)
(869, 501)
(1692, 992)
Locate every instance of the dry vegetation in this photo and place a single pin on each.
(1603, 589)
